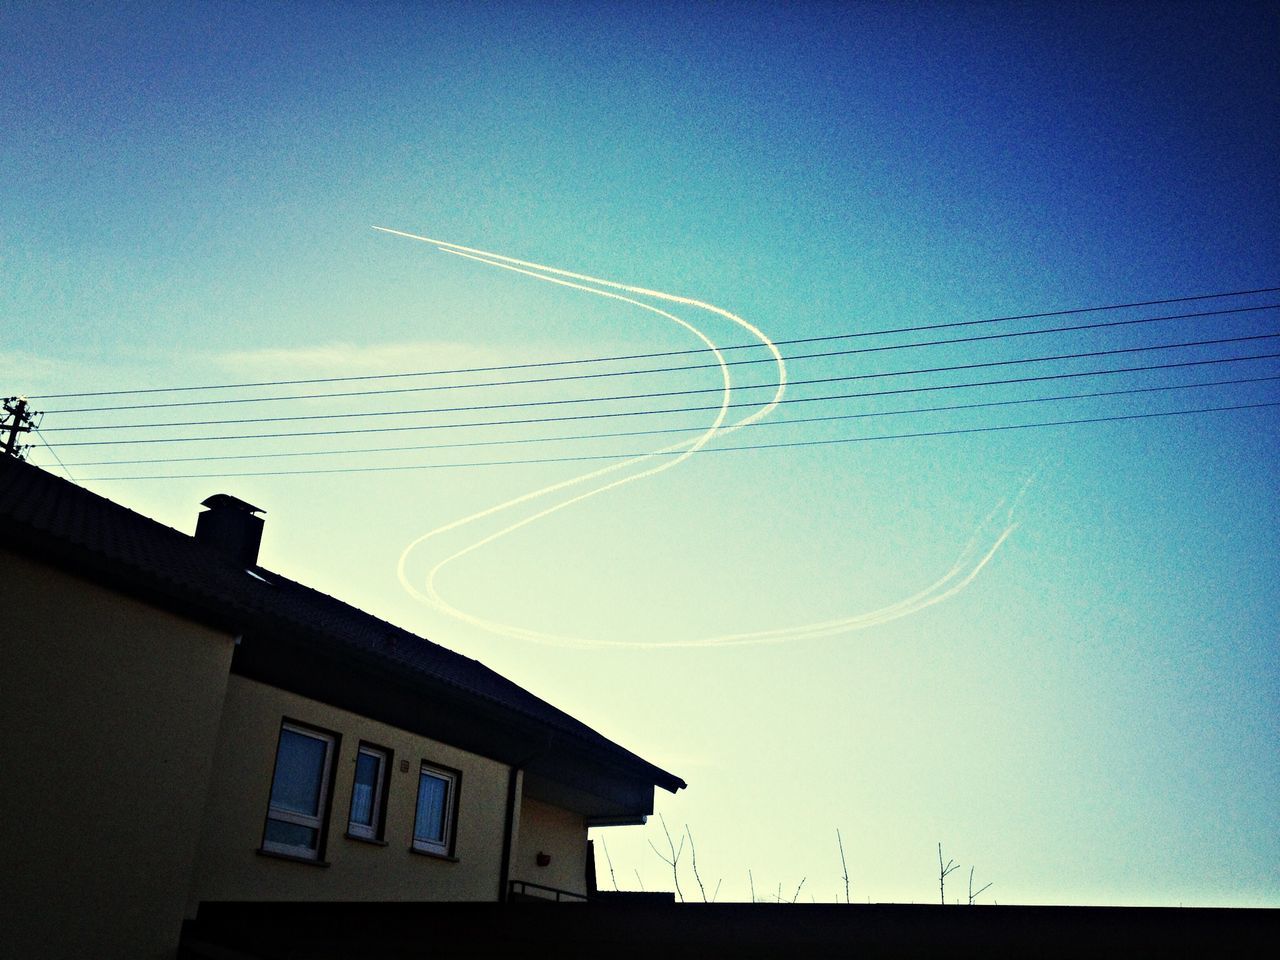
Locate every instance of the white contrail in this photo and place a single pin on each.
(939, 590)
(951, 583)
(645, 291)
(935, 593)
(430, 594)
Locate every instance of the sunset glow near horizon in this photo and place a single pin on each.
(1053, 649)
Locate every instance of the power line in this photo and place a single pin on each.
(692, 428)
(655, 370)
(666, 353)
(665, 393)
(55, 454)
(698, 409)
(742, 447)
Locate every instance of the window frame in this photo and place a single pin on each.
(375, 831)
(445, 847)
(320, 821)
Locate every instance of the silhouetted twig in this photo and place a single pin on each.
(972, 894)
(942, 874)
(675, 856)
(843, 866)
(609, 860)
(693, 859)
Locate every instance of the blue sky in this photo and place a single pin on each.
(188, 198)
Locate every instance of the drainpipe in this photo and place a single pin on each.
(515, 788)
(515, 783)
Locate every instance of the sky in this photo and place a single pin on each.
(1051, 649)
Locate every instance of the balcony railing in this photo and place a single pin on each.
(523, 890)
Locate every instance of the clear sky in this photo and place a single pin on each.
(187, 197)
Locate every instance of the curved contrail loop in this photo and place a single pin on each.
(431, 595)
(951, 583)
(629, 288)
(515, 265)
(611, 468)
(962, 573)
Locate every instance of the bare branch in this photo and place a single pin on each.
(950, 866)
(844, 866)
(693, 859)
(798, 889)
(973, 895)
(639, 881)
(675, 856)
(752, 881)
(609, 860)
(717, 893)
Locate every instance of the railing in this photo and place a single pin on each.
(526, 891)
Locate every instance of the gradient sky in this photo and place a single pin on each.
(187, 198)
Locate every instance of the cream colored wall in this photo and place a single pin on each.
(109, 714)
(230, 868)
(554, 831)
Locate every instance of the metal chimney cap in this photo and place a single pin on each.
(224, 501)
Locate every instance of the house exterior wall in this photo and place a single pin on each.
(559, 833)
(230, 866)
(109, 712)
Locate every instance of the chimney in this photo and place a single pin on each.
(231, 526)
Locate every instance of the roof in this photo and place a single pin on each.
(303, 639)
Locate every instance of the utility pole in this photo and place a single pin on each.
(18, 420)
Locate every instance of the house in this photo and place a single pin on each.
(180, 726)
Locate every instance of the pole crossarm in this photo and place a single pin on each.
(18, 419)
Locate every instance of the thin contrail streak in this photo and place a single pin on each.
(936, 592)
(945, 587)
(951, 583)
(629, 288)
(431, 595)
(510, 263)
(916, 602)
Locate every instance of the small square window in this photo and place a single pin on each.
(299, 792)
(368, 792)
(433, 826)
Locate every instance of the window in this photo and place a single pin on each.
(299, 792)
(437, 810)
(368, 792)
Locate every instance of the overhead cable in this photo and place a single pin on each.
(469, 408)
(733, 449)
(645, 413)
(666, 353)
(347, 394)
(691, 428)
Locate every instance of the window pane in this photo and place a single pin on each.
(433, 794)
(292, 835)
(299, 773)
(366, 786)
